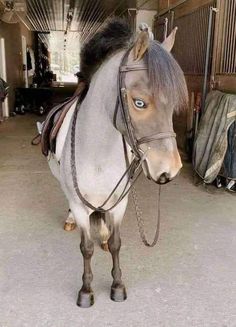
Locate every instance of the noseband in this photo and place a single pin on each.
(133, 171)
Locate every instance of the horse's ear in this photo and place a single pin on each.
(141, 45)
(168, 43)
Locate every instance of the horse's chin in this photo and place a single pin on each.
(162, 183)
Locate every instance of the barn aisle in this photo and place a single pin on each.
(187, 280)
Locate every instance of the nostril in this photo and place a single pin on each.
(164, 178)
(167, 176)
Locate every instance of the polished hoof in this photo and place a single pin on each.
(85, 299)
(104, 246)
(69, 226)
(118, 294)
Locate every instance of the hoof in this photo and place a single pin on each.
(118, 294)
(104, 246)
(85, 299)
(69, 226)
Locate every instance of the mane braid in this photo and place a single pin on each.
(115, 35)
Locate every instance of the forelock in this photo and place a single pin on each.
(166, 77)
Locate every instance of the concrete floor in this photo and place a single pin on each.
(189, 279)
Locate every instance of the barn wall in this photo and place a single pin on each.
(167, 4)
(145, 16)
(12, 33)
(191, 17)
(223, 75)
(181, 7)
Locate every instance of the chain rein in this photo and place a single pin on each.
(140, 221)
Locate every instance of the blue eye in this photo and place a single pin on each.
(139, 104)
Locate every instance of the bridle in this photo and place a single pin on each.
(122, 104)
(133, 170)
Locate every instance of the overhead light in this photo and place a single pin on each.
(132, 10)
(70, 15)
(9, 5)
(9, 17)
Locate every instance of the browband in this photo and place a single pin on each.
(127, 68)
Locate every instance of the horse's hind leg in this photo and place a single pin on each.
(118, 291)
(86, 298)
(70, 223)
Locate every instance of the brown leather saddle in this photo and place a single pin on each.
(55, 118)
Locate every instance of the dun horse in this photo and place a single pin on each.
(123, 123)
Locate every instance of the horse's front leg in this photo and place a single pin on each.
(118, 291)
(86, 297)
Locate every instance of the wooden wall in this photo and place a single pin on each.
(181, 7)
(191, 17)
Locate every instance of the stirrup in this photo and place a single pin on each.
(39, 127)
(231, 186)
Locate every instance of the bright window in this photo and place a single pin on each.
(64, 55)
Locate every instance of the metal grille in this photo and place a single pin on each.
(191, 40)
(228, 46)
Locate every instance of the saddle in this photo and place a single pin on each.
(55, 118)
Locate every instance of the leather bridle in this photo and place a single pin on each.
(122, 104)
(133, 170)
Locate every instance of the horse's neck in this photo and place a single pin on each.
(94, 127)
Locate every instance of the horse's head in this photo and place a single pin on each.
(153, 95)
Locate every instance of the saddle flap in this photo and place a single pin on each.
(55, 118)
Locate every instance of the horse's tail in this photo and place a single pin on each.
(99, 223)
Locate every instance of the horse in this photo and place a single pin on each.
(123, 123)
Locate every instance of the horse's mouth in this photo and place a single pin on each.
(162, 182)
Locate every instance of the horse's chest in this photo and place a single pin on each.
(99, 162)
(94, 175)
(99, 169)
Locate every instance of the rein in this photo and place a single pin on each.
(133, 170)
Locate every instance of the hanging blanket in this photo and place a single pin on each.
(211, 142)
(228, 169)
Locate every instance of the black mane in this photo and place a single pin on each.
(115, 35)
